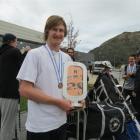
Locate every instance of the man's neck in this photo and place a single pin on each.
(132, 64)
(53, 47)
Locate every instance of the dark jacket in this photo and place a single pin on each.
(137, 80)
(10, 62)
(137, 91)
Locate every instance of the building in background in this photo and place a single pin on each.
(31, 38)
(26, 36)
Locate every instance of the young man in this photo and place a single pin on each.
(129, 77)
(10, 62)
(70, 52)
(41, 82)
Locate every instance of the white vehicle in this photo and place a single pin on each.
(98, 66)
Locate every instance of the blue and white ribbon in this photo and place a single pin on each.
(57, 67)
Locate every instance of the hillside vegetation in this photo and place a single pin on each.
(118, 48)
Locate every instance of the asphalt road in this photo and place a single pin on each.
(116, 73)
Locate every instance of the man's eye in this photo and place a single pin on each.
(61, 30)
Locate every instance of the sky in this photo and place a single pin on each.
(96, 20)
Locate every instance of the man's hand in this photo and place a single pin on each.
(83, 103)
(133, 94)
(125, 77)
(65, 104)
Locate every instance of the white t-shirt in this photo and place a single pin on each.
(38, 69)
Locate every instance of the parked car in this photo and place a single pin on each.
(98, 66)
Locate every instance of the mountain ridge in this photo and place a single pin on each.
(118, 48)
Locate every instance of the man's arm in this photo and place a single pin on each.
(28, 90)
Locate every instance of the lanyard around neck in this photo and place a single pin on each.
(57, 67)
(131, 68)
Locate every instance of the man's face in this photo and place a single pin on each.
(131, 60)
(70, 52)
(56, 35)
(14, 43)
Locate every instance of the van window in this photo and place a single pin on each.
(98, 65)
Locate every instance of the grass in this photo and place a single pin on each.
(23, 104)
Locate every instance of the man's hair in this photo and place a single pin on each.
(132, 55)
(70, 49)
(51, 22)
(8, 38)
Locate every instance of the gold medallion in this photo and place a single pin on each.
(60, 85)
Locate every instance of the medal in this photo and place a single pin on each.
(60, 85)
(57, 67)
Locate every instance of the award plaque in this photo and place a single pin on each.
(75, 82)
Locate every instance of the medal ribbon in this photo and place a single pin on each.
(131, 69)
(57, 68)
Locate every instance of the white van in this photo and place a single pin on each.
(98, 66)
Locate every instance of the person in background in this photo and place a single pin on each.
(129, 77)
(137, 86)
(25, 51)
(10, 62)
(90, 68)
(41, 83)
(138, 58)
(71, 53)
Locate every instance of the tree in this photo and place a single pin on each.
(72, 35)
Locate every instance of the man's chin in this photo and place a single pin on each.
(57, 43)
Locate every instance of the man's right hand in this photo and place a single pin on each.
(125, 77)
(65, 104)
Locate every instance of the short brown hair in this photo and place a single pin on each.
(72, 49)
(51, 22)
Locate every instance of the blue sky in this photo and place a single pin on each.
(96, 20)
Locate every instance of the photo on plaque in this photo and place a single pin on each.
(75, 81)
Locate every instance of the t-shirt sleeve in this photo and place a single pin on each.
(68, 58)
(28, 70)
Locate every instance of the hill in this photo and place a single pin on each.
(118, 48)
(85, 58)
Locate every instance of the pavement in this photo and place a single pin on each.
(92, 78)
(116, 73)
(21, 133)
(20, 125)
